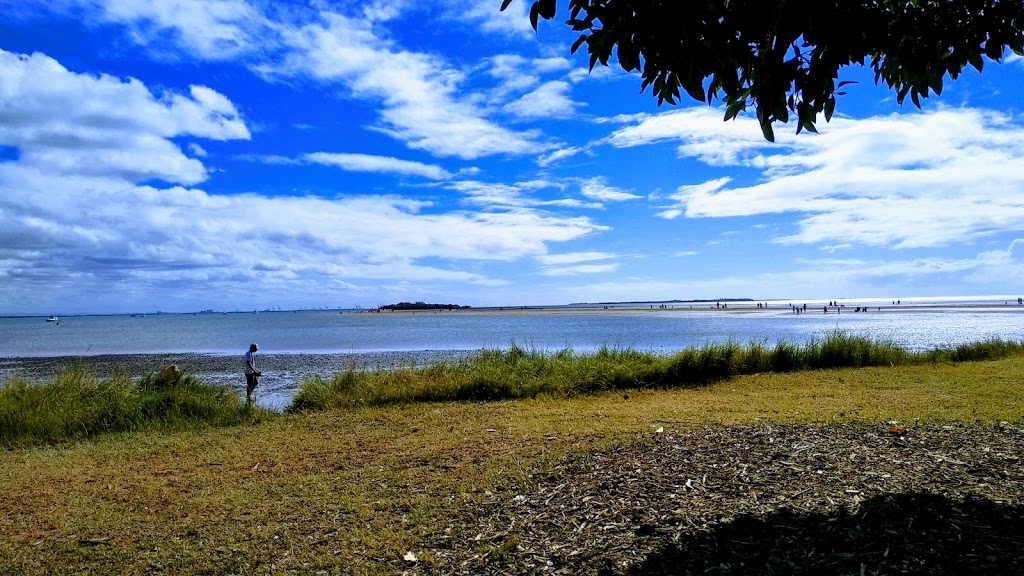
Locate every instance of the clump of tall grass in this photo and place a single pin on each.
(985, 350)
(76, 405)
(518, 373)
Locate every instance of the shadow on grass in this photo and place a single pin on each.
(890, 534)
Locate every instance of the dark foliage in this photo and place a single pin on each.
(784, 56)
(421, 306)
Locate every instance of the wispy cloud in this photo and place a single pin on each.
(597, 188)
(426, 113)
(513, 22)
(519, 195)
(557, 156)
(572, 258)
(582, 269)
(210, 29)
(385, 164)
(429, 111)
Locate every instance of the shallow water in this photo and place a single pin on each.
(315, 332)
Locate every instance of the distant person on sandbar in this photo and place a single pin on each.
(251, 373)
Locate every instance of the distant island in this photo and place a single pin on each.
(422, 306)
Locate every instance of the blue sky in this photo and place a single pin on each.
(239, 154)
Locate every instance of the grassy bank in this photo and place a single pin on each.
(518, 374)
(76, 404)
(352, 491)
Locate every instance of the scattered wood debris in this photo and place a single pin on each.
(765, 499)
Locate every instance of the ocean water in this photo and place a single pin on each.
(298, 345)
(916, 324)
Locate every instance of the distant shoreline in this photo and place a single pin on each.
(702, 307)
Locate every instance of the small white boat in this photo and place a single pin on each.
(53, 319)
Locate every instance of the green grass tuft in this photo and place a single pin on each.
(518, 373)
(77, 405)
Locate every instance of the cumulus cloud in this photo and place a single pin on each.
(102, 125)
(386, 164)
(910, 180)
(56, 230)
(550, 100)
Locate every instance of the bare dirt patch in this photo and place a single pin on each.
(761, 499)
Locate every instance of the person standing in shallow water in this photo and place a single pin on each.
(251, 373)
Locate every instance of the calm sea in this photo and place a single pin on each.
(916, 324)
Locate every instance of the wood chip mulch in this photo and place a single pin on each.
(762, 499)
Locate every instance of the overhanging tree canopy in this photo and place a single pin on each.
(784, 56)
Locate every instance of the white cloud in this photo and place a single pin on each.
(387, 164)
(272, 159)
(572, 258)
(196, 150)
(513, 72)
(212, 29)
(597, 189)
(419, 93)
(558, 155)
(986, 273)
(703, 134)
(383, 10)
(64, 233)
(519, 195)
(580, 270)
(911, 180)
(549, 100)
(553, 64)
(598, 74)
(513, 22)
(74, 123)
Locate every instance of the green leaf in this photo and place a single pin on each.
(733, 109)
(505, 4)
(830, 107)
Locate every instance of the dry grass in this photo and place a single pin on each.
(352, 491)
